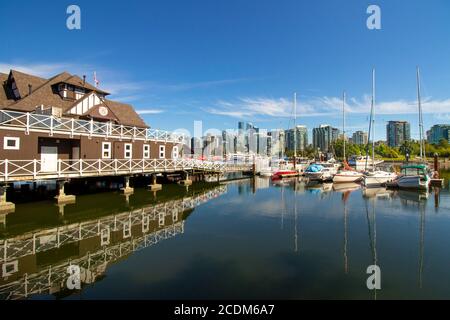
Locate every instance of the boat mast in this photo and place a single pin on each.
(371, 123)
(421, 143)
(343, 120)
(373, 119)
(295, 129)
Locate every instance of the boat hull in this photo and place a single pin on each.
(377, 180)
(413, 182)
(346, 178)
(318, 176)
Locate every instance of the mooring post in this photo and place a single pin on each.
(62, 197)
(436, 166)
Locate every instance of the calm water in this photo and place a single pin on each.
(245, 239)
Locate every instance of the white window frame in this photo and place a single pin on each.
(15, 139)
(146, 153)
(175, 152)
(9, 268)
(162, 151)
(109, 150)
(105, 236)
(125, 151)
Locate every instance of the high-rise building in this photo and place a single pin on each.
(301, 138)
(276, 143)
(360, 138)
(324, 136)
(438, 132)
(397, 132)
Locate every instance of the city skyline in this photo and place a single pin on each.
(190, 63)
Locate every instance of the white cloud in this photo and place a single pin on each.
(149, 111)
(322, 106)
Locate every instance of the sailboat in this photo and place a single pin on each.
(416, 176)
(287, 173)
(379, 177)
(347, 174)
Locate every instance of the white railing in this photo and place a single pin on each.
(92, 265)
(16, 170)
(38, 122)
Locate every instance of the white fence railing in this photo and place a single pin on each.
(39, 122)
(15, 170)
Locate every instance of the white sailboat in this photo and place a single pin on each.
(375, 177)
(347, 174)
(416, 176)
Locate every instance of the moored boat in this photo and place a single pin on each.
(284, 174)
(347, 176)
(414, 176)
(317, 172)
(378, 178)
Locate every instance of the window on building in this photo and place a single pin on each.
(106, 150)
(162, 152)
(146, 151)
(175, 152)
(128, 151)
(11, 143)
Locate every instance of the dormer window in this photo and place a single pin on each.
(14, 89)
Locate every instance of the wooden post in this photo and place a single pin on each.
(436, 165)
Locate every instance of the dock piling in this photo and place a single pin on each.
(5, 206)
(127, 190)
(153, 185)
(62, 197)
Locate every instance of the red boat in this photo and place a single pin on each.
(284, 174)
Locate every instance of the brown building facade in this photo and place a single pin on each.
(33, 109)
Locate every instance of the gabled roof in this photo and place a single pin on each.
(77, 81)
(23, 80)
(45, 92)
(125, 113)
(94, 113)
(6, 96)
(43, 95)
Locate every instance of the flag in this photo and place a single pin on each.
(95, 79)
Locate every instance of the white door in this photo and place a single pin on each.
(49, 159)
(75, 153)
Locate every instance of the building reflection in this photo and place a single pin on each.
(37, 262)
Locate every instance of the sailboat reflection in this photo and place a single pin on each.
(28, 263)
(372, 225)
(377, 193)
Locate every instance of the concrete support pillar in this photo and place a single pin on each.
(62, 197)
(153, 185)
(127, 189)
(185, 181)
(5, 206)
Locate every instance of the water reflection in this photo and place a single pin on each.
(36, 262)
(284, 239)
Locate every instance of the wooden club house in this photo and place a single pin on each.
(63, 127)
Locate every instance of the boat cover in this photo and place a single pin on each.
(314, 168)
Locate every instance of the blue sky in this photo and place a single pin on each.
(226, 61)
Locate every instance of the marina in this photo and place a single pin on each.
(224, 158)
(314, 241)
